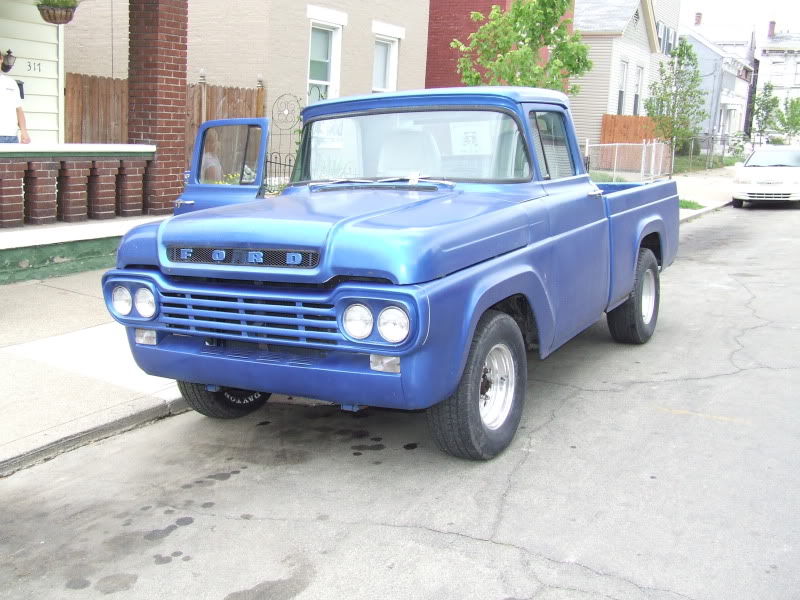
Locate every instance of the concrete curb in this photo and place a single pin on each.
(166, 408)
(703, 211)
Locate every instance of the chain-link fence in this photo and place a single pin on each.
(628, 162)
(710, 152)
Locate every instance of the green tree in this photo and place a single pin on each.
(506, 48)
(789, 118)
(765, 110)
(676, 103)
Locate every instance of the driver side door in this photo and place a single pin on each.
(227, 164)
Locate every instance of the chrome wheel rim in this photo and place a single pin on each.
(648, 296)
(497, 386)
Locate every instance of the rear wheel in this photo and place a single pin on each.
(634, 321)
(480, 419)
(735, 203)
(227, 403)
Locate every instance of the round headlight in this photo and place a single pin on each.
(145, 302)
(357, 321)
(393, 324)
(121, 300)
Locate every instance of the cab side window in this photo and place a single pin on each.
(551, 145)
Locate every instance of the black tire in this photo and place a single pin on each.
(626, 323)
(227, 403)
(737, 203)
(456, 424)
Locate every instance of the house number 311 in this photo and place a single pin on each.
(35, 66)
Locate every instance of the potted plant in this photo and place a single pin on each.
(57, 12)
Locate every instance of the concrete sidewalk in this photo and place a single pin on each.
(68, 375)
(713, 189)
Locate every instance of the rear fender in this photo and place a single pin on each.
(626, 256)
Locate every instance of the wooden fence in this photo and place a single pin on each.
(96, 108)
(206, 102)
(626, 129)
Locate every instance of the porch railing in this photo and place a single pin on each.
(41, 184)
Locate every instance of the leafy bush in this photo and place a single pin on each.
(59, 3)
(738, 141)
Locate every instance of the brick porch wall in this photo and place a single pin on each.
(52, 188)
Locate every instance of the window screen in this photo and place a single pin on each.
(551, 145)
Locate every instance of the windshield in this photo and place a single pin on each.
(465, 145)
(774, 158)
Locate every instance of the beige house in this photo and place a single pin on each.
(628, 40)
(325, 48)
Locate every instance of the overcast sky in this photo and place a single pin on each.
(736, 19)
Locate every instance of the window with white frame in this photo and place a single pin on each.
(667, 38)
(637, 96)
(384, 66)
(623, 84)
(385, 56)
(325, 52)
(777, 72)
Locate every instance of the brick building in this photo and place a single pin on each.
(449, 20)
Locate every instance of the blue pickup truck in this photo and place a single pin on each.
(426, 242)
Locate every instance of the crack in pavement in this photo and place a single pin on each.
(743, 331)
(624, 386)
(524, 458)
(464, 536)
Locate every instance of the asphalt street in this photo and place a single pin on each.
(662, 472)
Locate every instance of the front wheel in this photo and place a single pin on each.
(634, 321)
(480, 419)
(737, 203)
(227, 403)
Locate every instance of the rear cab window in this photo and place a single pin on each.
(551, 145)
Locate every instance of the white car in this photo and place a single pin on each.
(770, 174)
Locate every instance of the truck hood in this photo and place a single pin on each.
(403, 235)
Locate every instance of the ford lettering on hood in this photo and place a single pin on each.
(316, 233)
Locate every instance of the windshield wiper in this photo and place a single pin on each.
(414, 179)
(335, 181)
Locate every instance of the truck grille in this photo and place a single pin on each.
(253, 257)
(256, 318)
(768, 196)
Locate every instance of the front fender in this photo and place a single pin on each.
(458, 301)
(139, 247)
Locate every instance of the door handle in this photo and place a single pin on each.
(180, 202)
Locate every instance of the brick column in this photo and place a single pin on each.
(102, 189)
(73, 198)
(40, 192)
(11, 176)
(129, 187)
(157, 94)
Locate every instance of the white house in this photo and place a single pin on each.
(780, 63)
(628, 40)
(726, 78)
(39, 48)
